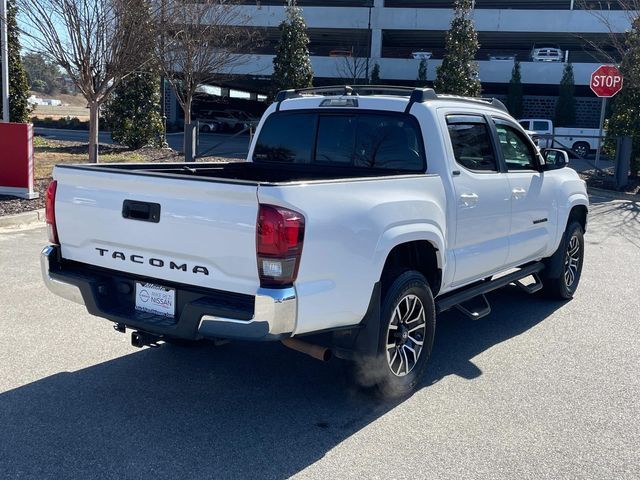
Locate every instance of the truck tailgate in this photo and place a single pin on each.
(205, 234)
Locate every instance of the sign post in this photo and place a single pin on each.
(606, 81)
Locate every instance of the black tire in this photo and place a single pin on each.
(581, 149)
(205, 128)
(388, 374)
(564, 285)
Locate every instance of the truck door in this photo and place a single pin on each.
(482, 199)
(533, 210)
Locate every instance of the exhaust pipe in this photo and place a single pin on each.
(316, 351)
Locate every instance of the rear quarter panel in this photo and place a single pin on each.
(351, 226)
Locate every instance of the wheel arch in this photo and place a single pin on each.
(579, 213)
(421, 255)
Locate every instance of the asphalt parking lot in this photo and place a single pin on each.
(539, 389)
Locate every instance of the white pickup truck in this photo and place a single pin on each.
(580, 141)
(359, 215)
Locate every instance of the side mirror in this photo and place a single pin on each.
(555, 158)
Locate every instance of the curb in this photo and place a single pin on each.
(22, 219)
(601, 192)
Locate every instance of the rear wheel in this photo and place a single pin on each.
(407, 328)
(571, 252)
(581, 149)
(205, 128)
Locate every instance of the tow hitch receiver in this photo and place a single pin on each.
(141, 339)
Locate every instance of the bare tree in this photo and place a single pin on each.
(94, 41)
(353, 68)
(615, 47)
(199, 44)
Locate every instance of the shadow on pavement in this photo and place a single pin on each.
(241, 410)
(610, 218)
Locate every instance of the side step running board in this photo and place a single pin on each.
(531, 287)
(476, 313)
(457, 298)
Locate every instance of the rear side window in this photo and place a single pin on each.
(471, 143)
(343, 139)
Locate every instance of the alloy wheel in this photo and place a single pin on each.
(405, 335)
(572, 261)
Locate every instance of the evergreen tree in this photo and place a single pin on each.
(422, 73)
(514, 94)
(458, 73)
(133, 111)
(43, 74)
(375, 74)
(625, 119)
(292, 65)
(566, 104)
(19, 108)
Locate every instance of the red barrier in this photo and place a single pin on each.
(16, 160)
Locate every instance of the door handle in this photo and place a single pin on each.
(469, 199)
(518, 193)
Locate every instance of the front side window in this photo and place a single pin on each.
(517, 151)
(368, 140)
(471, 143)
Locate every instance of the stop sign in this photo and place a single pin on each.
(606, 81)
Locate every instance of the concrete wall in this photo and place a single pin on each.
(407, 69)
(575, 21)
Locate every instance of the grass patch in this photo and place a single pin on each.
(48, 153)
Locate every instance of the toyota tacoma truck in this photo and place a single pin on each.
(360, 214)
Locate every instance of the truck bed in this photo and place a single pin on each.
(249, 172)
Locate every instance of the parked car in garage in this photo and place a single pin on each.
(422, 55)
(212, 121)
(502, 57)
(547, 53)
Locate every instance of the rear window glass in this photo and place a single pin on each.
(355, 139)
(286, 138)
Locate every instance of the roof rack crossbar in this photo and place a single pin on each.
(494, 102)
(426, 94)
(416, 95)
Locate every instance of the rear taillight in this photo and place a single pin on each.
(50, 212)
(279, 238)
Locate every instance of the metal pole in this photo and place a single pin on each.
(163, 92)
(5, 60)
(368, 44)
(602, 111)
